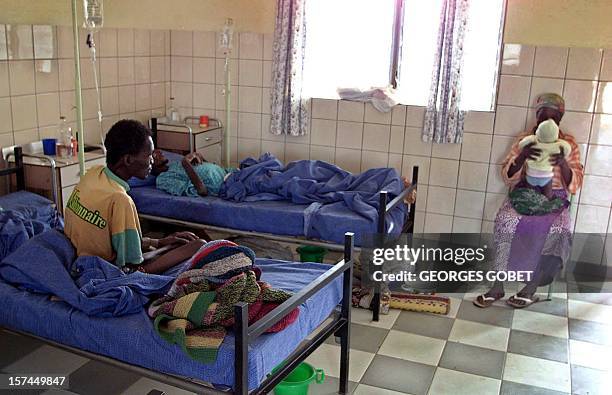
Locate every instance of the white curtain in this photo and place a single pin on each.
(443, 118)
(289, 109)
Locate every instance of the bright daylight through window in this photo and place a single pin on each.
(349, 44)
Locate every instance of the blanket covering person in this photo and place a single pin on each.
(527, 201)
(199, 305)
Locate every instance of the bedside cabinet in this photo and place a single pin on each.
(186, 137)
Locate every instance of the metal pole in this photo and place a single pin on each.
(77, 89)
(345, 332)
(228, 157)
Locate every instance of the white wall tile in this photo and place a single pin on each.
(413, 142)
(110, 100)
(250, 72)
(181, 69)
(249, 125)
(476, 147)
(3, 49)
(143, 97)
(88, 80)
(495, 182)
(580, 95)
(596, 191)
(473, 176)
(372, 115)
(90, 103)
(21, 76)
(19, 42)
(47, 76)
(295, 152)
(125, 73)
(267, 73)
(276, 148)
(550, 62)
(127, 99)
(487, 227)
(251, 45)
(324, 109)
(589, 219)
(415, 116)
(606, 65)
(396, 142)
(181, 43)
(446, 151)
(204, 96)
(157, 69)
(109, 73)
(604, 98)
(249, 99)
(395, 162)
(501, 147)
(541, 85)
(142, 70)
(4, 79)
(578, 124)
(24, 112)
(373, 160)
(493, 202)
(26, 136)
(422, 193)
(323, 132)
(350, 111)
(584, 63)
(441, 200)
(348, 159)
(398, 115)
(158, 44)
(470, 204)
(125, 42)
(67, 105)
(518, 59)
(444, 172)
(248, 148)
(158, 96)
(65, 42)
(376, 137)
(350, 134)
(6, 117)
(602, 129)
(599, 161)
(107, 43)
(479, 122)
(435, 223)
(48, 108)
(326, 154)
(142, 42)
(204, 44)
(45, 42)
(268, 41)
(514, 90)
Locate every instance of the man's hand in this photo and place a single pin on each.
(411, 197)
(179, 238)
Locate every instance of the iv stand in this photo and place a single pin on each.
(228, 158)
(77, 89)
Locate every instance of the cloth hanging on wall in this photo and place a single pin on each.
(443, 118)
(289, 108)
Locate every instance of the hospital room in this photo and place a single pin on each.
(306, 197)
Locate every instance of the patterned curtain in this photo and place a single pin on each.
(289, 109)
(443, 118)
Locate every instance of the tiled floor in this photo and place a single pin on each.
(556, 347)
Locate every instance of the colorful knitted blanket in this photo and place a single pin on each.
(198, 308)
(526, 201)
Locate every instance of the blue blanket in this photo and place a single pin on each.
(46, 264)
(310, 182)
(16, 228)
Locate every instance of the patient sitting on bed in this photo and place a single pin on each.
(193, 176)
(101, 218)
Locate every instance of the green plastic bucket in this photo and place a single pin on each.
(297, 382)
(311, 253)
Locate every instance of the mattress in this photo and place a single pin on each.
(132, 338)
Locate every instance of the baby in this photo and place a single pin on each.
(539, 170)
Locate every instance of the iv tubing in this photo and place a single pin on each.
(77, 90)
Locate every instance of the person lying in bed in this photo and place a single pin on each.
(192, 176)
(101, 218)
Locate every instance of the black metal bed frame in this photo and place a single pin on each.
(18, 169)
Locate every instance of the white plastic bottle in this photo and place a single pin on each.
(93, 15)
(64, 140)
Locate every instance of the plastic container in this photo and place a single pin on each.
(64, 142)
(49, 146)
(173, 114)
(297, 382)
(311, 253)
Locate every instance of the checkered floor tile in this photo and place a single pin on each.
(555, 347)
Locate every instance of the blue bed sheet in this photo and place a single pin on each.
(131, 338)
(32, 206)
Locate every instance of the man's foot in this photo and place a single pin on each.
(486, 300)
(520, 301)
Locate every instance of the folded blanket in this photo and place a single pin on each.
(197, 308)
(527, 201)
(46, 264)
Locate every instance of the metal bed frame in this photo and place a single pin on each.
(245, 334)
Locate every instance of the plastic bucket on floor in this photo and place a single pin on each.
(297, 382)
(311, 253)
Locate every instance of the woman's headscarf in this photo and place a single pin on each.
(550, 100)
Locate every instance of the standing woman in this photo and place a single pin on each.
(541, 243)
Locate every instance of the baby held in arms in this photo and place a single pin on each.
(540, 170)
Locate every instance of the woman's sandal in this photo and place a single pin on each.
(520, 302)
(486, 300)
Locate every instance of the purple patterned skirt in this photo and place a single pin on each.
(521, 240)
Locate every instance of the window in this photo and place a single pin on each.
(349, 43)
